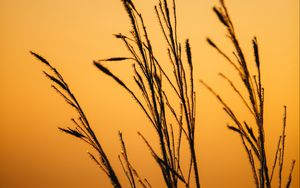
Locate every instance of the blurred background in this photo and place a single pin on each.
(70, 34)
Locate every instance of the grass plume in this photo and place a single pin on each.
(254, 102)
(151, 80)
(83, 129)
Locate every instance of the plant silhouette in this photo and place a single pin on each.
(254, 143)
(152, 82)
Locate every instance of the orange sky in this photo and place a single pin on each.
(70, 34)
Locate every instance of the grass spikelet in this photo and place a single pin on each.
(107, 72)
(188, 52)
(40, 58)
(221, 16)
(256, 55)
(210, 42)
(234, 129)
(72, 132)
(55, 80)
(115, 59)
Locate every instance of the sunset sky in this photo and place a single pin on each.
(73, 33)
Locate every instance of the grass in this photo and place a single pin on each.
(151, 80)
(153, 95)
(253, 142)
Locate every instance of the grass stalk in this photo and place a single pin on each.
(255, 97)
(83, 130)
(149, 77)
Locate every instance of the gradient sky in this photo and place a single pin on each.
(72, 33)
